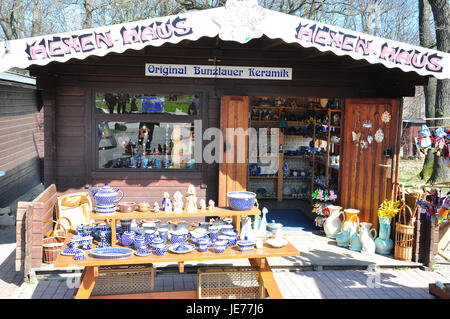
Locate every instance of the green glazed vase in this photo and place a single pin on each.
(384, 244)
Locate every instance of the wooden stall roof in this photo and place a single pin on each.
(238, 21)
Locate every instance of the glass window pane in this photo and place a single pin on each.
(149, 145)
(124, 103)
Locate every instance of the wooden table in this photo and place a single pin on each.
(257, 258)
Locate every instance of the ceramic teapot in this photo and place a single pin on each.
(333, 223)
(367, 238)
(106, 195)
(127, 238)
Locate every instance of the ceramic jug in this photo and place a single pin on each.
(333, 223)
(343, 238)
(351, 217)
(367, 238)
(384, 243)
(355, 242)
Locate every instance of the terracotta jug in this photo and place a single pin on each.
(332, 225)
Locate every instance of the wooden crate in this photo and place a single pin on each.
(439, 293)
(125, 279)
(230, 283)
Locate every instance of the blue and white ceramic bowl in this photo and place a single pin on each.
(143, 252)
(80, 255)
(245, 245)
(87, 242)
(241, 200)
(160, 249)
(105, 209)
(220, 246)
(77, 241)
(203, 245)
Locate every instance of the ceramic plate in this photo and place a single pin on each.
(277, 243)
(111, 252)
(181, 248)
(143, 253)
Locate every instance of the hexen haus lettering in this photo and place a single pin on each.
(87, 42)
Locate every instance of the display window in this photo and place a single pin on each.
(145, 131)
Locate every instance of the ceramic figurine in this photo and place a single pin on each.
(211, 205)
(156, 207)
(367, 238)
(202, 205)
(246, 229)
(166, 203)
(177, 202)
(191, 200)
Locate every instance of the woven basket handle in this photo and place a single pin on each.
(403, 213)
(53, 232)
(70, 223)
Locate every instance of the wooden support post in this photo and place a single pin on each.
(87, 284)
(267, 277)
(181, 266)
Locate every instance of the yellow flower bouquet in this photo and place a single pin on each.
(389, 208)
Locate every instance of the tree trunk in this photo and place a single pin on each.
(441, 14)
(426, 40)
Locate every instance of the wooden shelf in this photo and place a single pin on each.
(218, 211)
(299, 177)
(297, 157)
(263, 177)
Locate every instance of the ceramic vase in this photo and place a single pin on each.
(384, 244)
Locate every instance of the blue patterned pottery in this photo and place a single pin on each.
(69, 250)
(157, 241)
(77, 241)
(149, 235)
(88, 230)
(106, 195)
(245, 245)
(127, 238)
(139, 241)
(213, 232)
(220, 246)
(160, 249)
(203, 245)
(143, 252)
(179, 237)
(241, 200)
(163, 233)
(80, 255)
(87, 242)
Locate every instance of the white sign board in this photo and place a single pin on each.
(218, 71)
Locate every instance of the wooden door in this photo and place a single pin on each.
(233, 166)
(368, 174)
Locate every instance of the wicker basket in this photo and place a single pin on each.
(59, 232)
(122, 280)
(404, 235)
(230, 283)
(51, 247)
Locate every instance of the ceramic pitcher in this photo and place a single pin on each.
(367, 238)
(355, 241)
(351, 217)
(333, 223)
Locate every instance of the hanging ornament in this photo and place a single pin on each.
(425, 137)
(369, 139)
(386, 117)
(367, 124)
(379, 135)
(356, 136)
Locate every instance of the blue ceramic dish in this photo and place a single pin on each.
(143, 252)
(80, 255)
(111, 252)
(245, 245)
(241, 200)
(181, 248)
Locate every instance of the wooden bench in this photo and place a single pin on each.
(30, 229)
